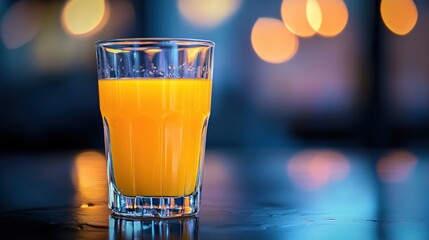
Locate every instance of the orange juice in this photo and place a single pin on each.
(156, 129)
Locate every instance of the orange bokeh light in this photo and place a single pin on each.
(83, 17)
(314, 14)
(305, 18)
(400, 16)
(396, 166)
(272, 42)
(208, 13)
(312, 170)
(334, 17)
(294, 15)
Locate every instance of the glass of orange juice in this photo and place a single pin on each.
(155, 99)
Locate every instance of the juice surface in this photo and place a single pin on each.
(156, 130)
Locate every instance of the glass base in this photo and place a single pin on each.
(177, 228)
(154, 207)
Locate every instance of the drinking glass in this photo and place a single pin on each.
(155, 99)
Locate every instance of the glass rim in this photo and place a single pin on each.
(188, 42)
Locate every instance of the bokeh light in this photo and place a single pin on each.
(272, 42)
(312, 170)
(314, 14)
(396, 166)
(334, 17)
(90, 170)
(20, 24)
(400, 16)
(208, 13)
(83, 17)
(294, 15)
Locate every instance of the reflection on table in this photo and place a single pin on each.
(253, 194)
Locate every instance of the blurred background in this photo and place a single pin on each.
(288, 73)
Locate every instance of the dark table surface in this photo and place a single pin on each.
(247, 194)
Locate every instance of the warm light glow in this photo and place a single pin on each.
(314, 14)
(20, 24)
(84, 16)
(400, 16)
(150, 52)
(396, 166)
(272, 42)
(194, 52)
(208, 13)
(115, 50)
(334, 17)
(294, 15)
(312, 170)
(90, 178)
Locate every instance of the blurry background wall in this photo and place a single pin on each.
(287, 73)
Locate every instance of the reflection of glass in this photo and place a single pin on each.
(184, 228)
(155, 102)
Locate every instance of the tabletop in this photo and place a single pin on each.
(247, 194)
